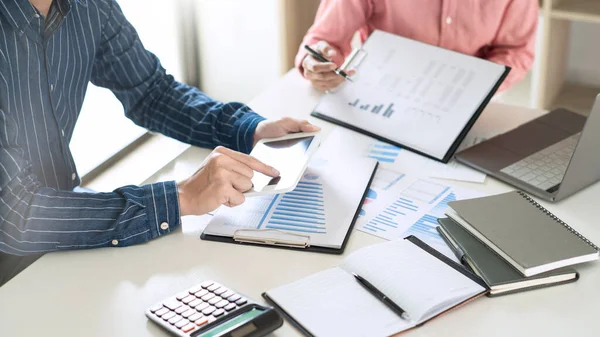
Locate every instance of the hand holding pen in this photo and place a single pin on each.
(320, 70)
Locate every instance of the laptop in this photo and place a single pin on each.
(551, 157)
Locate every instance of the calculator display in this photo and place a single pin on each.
(233, 323)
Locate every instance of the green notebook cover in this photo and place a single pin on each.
(499, 275)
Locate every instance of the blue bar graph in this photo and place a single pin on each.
(302, 210)
(384, 153)
(425, 227)
(355, 103)
(392, 216)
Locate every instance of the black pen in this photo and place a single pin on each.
(381, 296)
(320, 57)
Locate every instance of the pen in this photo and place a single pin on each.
(320, 57)
(381, 296)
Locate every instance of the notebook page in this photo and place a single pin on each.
(332, 303)
(414, 279)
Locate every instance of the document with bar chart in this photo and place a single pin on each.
(412, 208)
(414, 95)
(322, 208)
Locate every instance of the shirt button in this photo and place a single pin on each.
(449, 20)
(164, 226)
(115, 242)
(51, 87)
(73, 176)
(63, 132)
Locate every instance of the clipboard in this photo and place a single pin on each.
(286, 240)
(354, 61)
(416, 241)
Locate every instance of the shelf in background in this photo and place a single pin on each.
(577, 10)
(577, 98)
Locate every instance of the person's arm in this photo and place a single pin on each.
(154, 100)
(35, 219)
(514, 44)
(336, 22)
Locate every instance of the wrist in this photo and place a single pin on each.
(182, 200)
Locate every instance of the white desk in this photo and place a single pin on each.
(104, 292)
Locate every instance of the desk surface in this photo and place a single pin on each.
(104, 292)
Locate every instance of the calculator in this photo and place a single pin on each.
(213, 310)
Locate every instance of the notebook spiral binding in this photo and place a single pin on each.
(550, 214)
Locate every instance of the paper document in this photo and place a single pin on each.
(393, 158)
(412, 207)
(412, 93)
(322, 207)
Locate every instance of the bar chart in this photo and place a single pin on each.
(302, 210)
(374, 109)
(384, 152)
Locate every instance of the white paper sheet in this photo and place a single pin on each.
(322, 207)
(413, 93)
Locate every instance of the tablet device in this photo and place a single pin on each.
(288, 154)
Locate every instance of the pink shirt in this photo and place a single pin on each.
(502, 31)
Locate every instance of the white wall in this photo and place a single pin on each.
(584, 54)
(240, 45)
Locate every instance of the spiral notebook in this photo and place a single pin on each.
(523, 232)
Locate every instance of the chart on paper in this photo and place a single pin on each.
(413, 210)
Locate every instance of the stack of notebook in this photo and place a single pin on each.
(513, 243)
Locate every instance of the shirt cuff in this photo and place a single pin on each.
(162, 207)
(243, 131)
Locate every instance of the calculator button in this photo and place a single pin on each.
(202, 306)
(208, 297)
(195, 303)
(213, 287)
(201, 321)
(188, 299)
(195, 289)
(207, 284)
(172, 304)
(218, 313)
(221, 304)
(181, 296)
(161, 312)
(188, 327)
(234, 298)
(195, 317)
(175, 319)
(156, 308)
(208, 311)
(227, 294)
(241, 301)
(168, 315)
(214, 300)
(230, 307)
(188, 313)
(182, 323)
(220, 291)
(201, 293)
(211, 319)
(182, 309)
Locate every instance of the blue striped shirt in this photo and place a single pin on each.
(45, 67)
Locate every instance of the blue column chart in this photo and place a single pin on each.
(301, 211)
(375, 109)
(384, 152)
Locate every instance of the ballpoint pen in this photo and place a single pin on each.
(381, 296)
(320, 58)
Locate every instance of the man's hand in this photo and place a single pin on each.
(321, 74)
(223, 177)
(282, 127)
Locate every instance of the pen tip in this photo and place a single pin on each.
(405, 316)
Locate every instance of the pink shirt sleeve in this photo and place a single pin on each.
(514, 44)
(336, 22)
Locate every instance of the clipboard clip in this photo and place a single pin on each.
(271, 237)
(354, 59)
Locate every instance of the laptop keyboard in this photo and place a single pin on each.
(546, 168)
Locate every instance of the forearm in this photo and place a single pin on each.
(34, 219)
(186, 114)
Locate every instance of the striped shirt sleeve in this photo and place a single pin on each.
(36, 219)
(154, 100)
